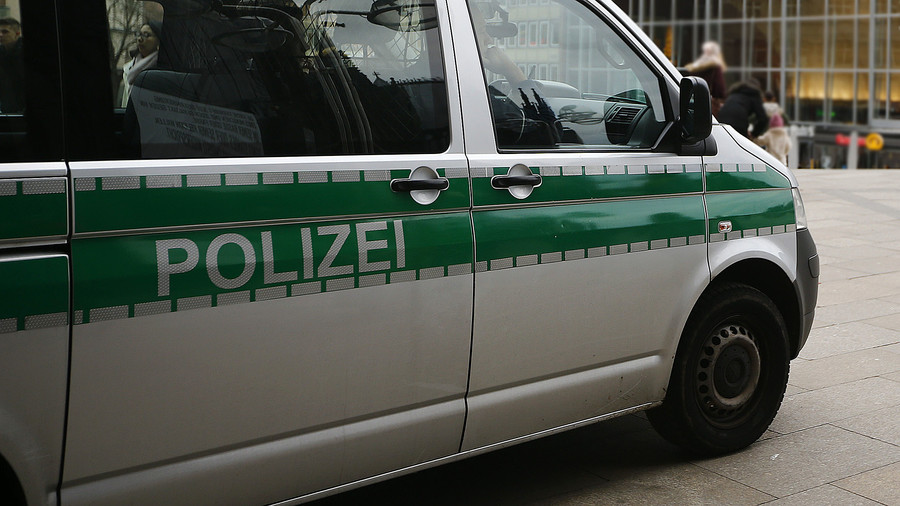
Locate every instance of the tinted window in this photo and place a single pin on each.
(570, 82)
(273, 77)
(30, 116)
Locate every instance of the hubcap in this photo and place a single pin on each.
(727, 373)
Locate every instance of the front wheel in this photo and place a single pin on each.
(730, 373)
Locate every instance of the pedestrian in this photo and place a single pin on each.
(710, 66)
(12, 67)
(776, 139)
(743, 108)
(145, 56)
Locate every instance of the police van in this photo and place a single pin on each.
(264, 251)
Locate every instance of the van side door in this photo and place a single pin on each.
(272, 250)
(34, 261)
(590, 237)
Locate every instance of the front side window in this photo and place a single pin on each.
(589, 89)
(277, 78)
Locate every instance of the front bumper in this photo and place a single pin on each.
(807, 284)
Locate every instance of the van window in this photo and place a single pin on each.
(570, 82)
(277, 78)
(30, 116)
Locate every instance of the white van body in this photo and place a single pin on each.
(312, 305)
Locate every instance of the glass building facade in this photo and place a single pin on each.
(834, 64)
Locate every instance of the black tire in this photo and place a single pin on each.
(730, 373)
(10, 491)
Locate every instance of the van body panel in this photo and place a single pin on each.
(621, 228)
(752, 199)
(34, 345)
(244, 286)
(317, 315)
(34, 322)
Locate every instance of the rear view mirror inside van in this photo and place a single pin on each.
(396, 15)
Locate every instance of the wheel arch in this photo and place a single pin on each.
(773, 281)
(11, 490)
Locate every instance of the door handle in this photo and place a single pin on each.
(505, 182)
(411, 185)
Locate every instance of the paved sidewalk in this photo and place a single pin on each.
(836, 439)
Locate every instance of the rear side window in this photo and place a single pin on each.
(276, 78)
(30, 114)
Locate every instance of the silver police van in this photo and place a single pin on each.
(260, 251)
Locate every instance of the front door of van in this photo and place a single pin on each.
(590, 241)
(273, 254)
(34, 265)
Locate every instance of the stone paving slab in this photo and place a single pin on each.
(880, 485)
(845, 338)
(684, 484)
(879, 265)
(804, 460)
(843, 368)
(889, 321)
(833, 273)
(826, 494)
(890, 279)
(883, 425)
(827, 405)
(854, 290)
(854, 311)
(864, 252)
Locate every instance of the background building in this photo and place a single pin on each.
(10, 8)
(835, 64)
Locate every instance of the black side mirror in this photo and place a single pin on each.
(695, 112)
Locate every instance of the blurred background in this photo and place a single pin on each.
(834, 65)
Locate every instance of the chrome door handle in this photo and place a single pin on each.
(504, 182)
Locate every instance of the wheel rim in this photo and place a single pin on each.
(728, 374)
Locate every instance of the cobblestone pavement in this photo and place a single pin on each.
(836, 439)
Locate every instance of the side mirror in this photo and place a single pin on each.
(695, 112)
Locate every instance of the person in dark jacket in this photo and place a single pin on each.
(12, 67)
(743, 104)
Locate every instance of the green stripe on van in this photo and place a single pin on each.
(743, 176)
(122, 277)
(586, 230)
(34, 293)
(748, 211)
(33, 208)
(143, 202)
(567, 183)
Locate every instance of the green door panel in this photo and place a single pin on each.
(34, 294)
(39, 205)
